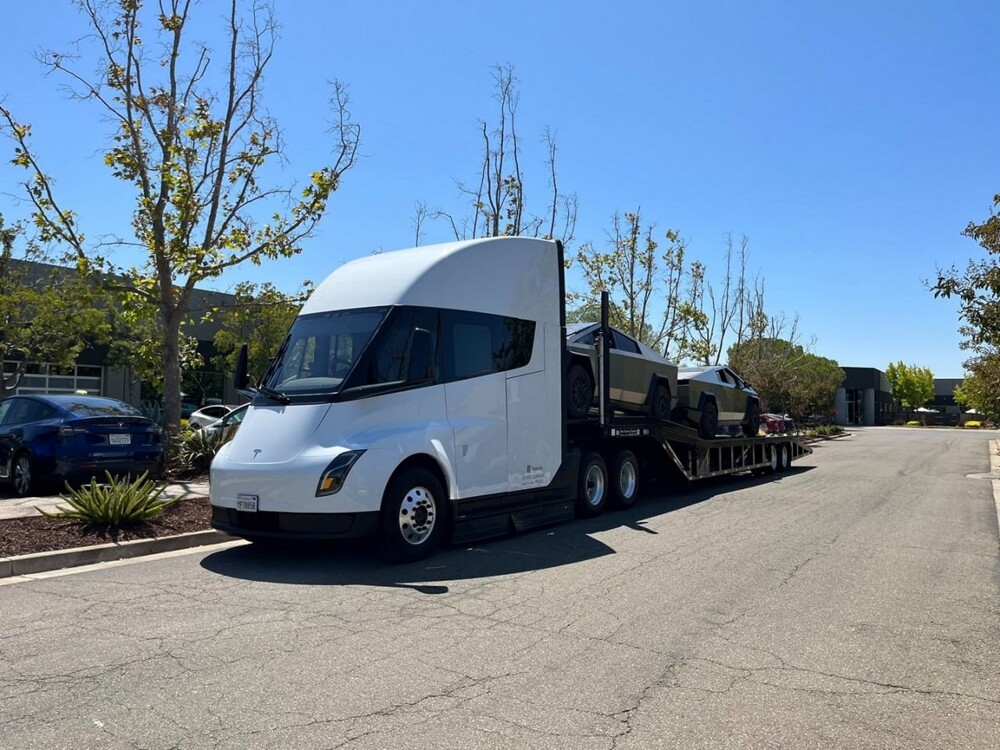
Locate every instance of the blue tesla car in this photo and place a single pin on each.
(47, 440)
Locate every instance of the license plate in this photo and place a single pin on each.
(246, 503)
(120, 439)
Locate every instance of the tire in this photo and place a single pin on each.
(624, 479)
(581, 391)
(413, 515)
(22, 475)
(660, 408)
(775, 452)
(708, 425)
(751, 424)
(782, 463)
(592, 488)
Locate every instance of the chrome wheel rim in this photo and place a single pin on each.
(417, 515)
(22, 475)
(594, 489)
(627, 480)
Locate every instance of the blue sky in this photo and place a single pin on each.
(850, 141)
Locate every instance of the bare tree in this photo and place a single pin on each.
(194, 156)
(497, 200)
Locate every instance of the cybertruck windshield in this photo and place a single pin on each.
(321, 350)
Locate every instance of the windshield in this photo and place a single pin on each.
(321, 349)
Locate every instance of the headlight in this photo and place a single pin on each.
(334, 475)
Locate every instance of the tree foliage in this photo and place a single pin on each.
(191, 138)
(47, 315)
(980, 390)
(912, 385)
(649, 301)
(787, 376)
(259, 315)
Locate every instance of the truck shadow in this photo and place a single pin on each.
(357, 562)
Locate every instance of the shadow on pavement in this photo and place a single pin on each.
(357, 562)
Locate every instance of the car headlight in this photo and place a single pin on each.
(335, 474)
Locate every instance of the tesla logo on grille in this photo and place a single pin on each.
(256, 452)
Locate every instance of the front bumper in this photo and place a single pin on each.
(286, 525)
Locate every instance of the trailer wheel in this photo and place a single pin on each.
(412, 518)
(624, 478)
(788, 456)
(782, 462)
(592, 489)
(774, 456)
(661, 402)
(581, 391)
(708, 425)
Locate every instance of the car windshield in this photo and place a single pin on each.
(321, 350)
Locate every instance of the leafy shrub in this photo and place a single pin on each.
(192, 452)
(118, 502)
(827, 430)
(973, 425)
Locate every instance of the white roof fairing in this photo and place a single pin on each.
(516, 276)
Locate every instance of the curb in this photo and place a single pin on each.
(41, 562)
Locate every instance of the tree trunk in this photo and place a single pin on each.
(172, 371)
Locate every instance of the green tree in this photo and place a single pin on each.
(259, 315)
(47, 314)
(647, 300)
(912, 386)
(787, 376)
(980, 390)
(193, 148)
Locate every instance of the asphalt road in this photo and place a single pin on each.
(850, 603)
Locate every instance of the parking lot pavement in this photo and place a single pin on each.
(19, 507)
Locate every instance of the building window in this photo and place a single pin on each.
(44, 378)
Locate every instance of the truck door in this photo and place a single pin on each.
(476, 397)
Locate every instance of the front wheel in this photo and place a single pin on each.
(592, 488)
(23, 475)
(412, 519)
(624, 476)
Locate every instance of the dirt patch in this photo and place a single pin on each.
(23, 536)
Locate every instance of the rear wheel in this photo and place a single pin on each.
(23, 475)
(412, 519)
(751, 424)
(624, 478)
(592, 488)
(661, 402)
(708, 425)
(782, 460)
(581, 391)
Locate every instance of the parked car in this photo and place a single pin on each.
(641, 380)
(208, 414)
(228, 424)
(714, 397)
(46, 440)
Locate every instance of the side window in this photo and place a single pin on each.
(624, 344)
(480, 344)
(5, 407)
(390, 360)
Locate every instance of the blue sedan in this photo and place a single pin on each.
(47, 440)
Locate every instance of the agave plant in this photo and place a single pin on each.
(117, 502)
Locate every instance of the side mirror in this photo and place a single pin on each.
(241, 378)
(421, 356)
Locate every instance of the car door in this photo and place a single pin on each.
(732, 408)
(631, 372)
(6, 451)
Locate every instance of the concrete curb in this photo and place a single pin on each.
(41, 562)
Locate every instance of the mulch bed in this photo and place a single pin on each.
(23, 536)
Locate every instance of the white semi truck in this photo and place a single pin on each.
(420, 395)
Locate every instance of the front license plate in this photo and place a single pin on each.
(120, 439)
(246, 503)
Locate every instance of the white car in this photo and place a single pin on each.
(228, 424)
(208, 414)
